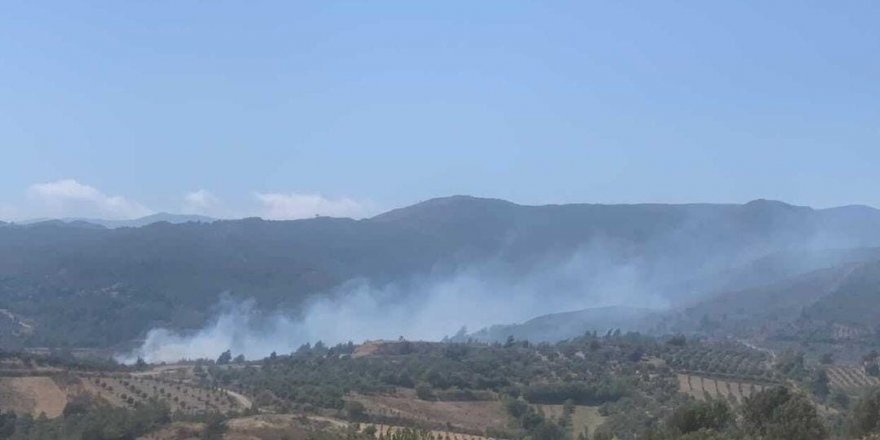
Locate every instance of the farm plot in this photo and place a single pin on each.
(850, 378)
(732, 361)
(383, 431)
(130, 390)
(701, 387)
(469, 415)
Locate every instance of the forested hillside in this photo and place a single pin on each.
(81, 284)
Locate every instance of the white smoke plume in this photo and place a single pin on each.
(424, 309)
(604, 272)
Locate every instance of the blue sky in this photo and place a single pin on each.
(286, 109)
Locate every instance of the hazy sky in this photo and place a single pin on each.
(285, 109)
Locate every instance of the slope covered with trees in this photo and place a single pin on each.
(82, 285)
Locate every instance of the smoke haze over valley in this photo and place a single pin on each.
(445, 264)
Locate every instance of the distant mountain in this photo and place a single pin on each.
(150, 219)
(80, 284)
(566, 325)
(132, 223)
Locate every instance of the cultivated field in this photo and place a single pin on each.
(47, 393)
(256, 427)
(701, 388)
(851, 379)
(728, 360)
(469, 416)
(382, 431)
(129, 390)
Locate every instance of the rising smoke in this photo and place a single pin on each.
(422, 308)
(666, 271)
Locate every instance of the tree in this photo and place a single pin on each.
(791, 364)
(424, 391)
(777, 413)
(678, 341)
(303, 350)
(866, 415)
(214, 428)
(224, 357)
(548, 431)
(819, 385)
(7, 424)
(141, 364)
(840, 399)
(355, 410)
(711, 415)
(320, 348)
(516, 407)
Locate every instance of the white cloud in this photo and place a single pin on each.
(292, 206)
(200, 202)
(69, 198)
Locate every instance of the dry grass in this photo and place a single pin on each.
(279, 426)
(258, 427)
(32, 395)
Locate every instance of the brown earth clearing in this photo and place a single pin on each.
(32, 395)
(471, 416)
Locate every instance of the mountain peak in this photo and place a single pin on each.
(771, 204)
(442, 206)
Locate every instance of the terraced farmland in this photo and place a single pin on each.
(180, 396)
(850, 378)
(466, 416)
(736, 361)
(702, 387)
(383, 431)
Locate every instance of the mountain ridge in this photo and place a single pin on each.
(132, 279)
(127, 223)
